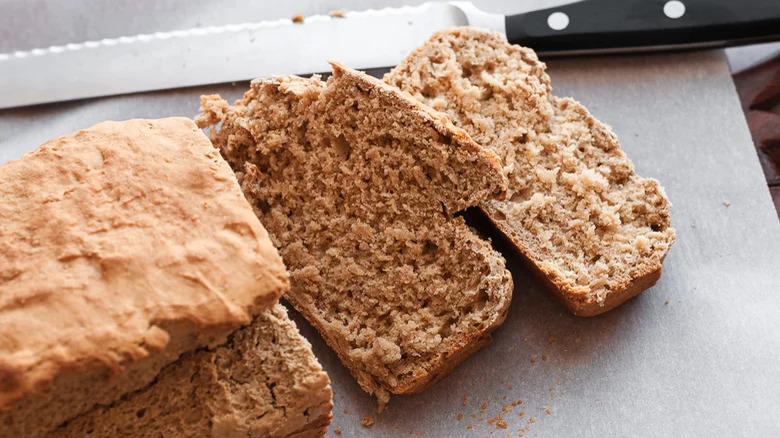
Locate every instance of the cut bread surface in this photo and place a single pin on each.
(357, 185)
(575, 209)
(121, 247)
(265, 382)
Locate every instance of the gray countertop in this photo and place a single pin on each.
(696, 355)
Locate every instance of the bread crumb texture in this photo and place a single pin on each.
(121, 246)
(357, 185)
(575, 208)
(265, 382)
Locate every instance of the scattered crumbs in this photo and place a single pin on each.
(337, 431)
(598, 399)
(503, 398)
(346, 411)
(411, 432)
(521, 414)
(525, 339)
(533, 360)
(491, 421)
(666, 302)
(234, 84)
(519, 433)
(544, 357)
(338, 13)
(501, 424)
(297, 19)
(473, 415)
(470, 425)
(506, 408)
(464, 400)
(483, 407)
(693, 225)
(460, 417)
(547, 411)
(507, 436)
(558, 382)
(367, 421)
(481, 418)
(511, 387)
(565, 350)
(550, 340)
(531, 419)
(552, 394)
(726, 203)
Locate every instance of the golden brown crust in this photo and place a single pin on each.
(121, 246)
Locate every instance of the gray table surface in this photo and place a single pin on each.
(697, 355)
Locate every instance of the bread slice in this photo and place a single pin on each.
(593, 229)
(265, 382)
(121, 247)
(357, 185)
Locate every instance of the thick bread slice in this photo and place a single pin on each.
(594, 230)
(265, 382)
(121, 247)
(357, 185)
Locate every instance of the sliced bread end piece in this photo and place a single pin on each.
(575, 209)
(265, 382)
(357, 184)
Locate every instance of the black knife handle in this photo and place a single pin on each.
(603, 25)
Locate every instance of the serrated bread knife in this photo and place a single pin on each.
(364, 40)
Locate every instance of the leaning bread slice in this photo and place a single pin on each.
(265, 382)
(595, 230)
(357, 186)
(121, 247)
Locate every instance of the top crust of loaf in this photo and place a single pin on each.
(357, 185)
(115, 238)
(575, 208)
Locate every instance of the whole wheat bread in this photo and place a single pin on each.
(593, 229)
(357, 185)
(265, 382)
(121, 247)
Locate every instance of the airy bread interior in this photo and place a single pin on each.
(358, 186)
(575, 208)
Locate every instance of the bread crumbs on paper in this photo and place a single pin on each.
(533, 360)
(726, 203)
(337, 431)
(297, 19)
(470, 425)
(460, 417)
(483, 407)
(544, 357)
(666, 302)
(550, 340)
(501, 423)
(367, 422)
(338, 13)
(464, 400)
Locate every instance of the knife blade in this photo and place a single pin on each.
(363, 40)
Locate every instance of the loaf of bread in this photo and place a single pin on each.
(265, 382)
(358, 186)
(595, 231)
(121, 247)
